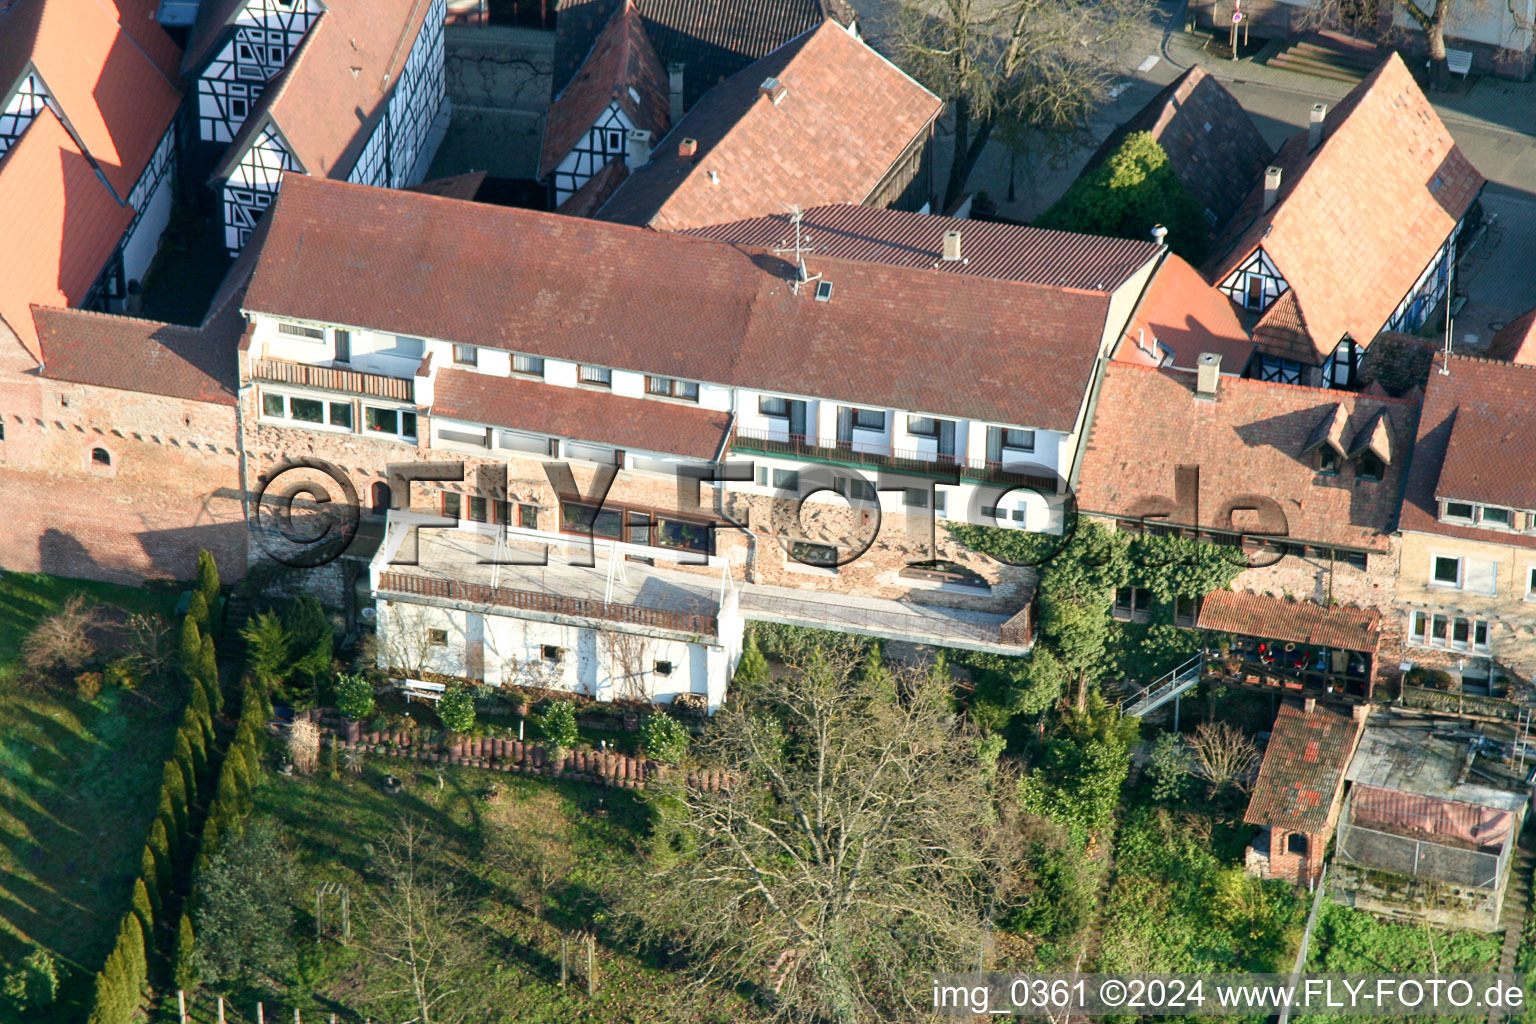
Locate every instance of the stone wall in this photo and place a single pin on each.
(498, 80)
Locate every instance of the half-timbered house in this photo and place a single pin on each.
(1350, 232)
(360, 97)
(236, 48)
(620, 89)
(91, 193)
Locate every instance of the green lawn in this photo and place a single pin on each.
(331, 824)
(78, 784)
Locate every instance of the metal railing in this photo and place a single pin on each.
(283, 371)
(1154, 695)
(551, 604)
(907, 460)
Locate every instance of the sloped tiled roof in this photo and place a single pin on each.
(595, 191)
(580, 414)
(1359, 218)
(845, 117)
(1008, 252)
(1477, 442)
(460, 186)
(324, 109)
(1516, 341)
(1249, 441)
(676, 306)
(194, 363)
(622, 68)
(1188, 317)
(60, 225)
(1303, 768)
(1343, 627)
(714, 39)
(213, 17)
(1210, 140)
(112, 92)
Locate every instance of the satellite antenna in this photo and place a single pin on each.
(799, 249)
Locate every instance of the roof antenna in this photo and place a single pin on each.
(801, 247)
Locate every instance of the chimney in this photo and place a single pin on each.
(1271, 187)
(951, 246)
(1309, 705)
(675, 78)
(686, 150)
(1315, 125)
(1159, 233)
(773, 89)
(639, 149)
(1207, 376)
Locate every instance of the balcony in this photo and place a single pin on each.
(902, 460)
(282, 371)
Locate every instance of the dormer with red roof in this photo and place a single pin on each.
(1350, 232)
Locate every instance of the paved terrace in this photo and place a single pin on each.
(450, 566)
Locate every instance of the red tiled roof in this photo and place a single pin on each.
(61, 225)
(676, 306)
(622, 68)
(1248, 442)
(596, 190)
(713, 39)
(1344, 627)
(845, 118)
(1189, 317)
(116, 97)
(1210, 140)
(194, 363)
(324, 109)
(580, 414)
(1516, 341)
(1477, 442)
(213, 17)
(460, 186)
(1008, 252)
(1282, 331)
(1359, 218)
(1303, 768)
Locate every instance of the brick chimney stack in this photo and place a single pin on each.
(1315, 125)
(1271, 187)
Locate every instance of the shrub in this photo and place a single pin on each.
(62, 641)
(1168, 768)
(88, 686)
(663, 738)
(304, 745)
(457, 710)
(197, 611)
(354, 695)
(753, 667)
(34, 983)
(559, 723)
(122, 673)
(267, 645)
(208, 579)
(185, 971)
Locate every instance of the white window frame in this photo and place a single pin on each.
(1461, 571)
(326, 404)
(302, 332)
(1530, 582)
(400, 414)
(1419, 632)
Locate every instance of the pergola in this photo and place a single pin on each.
(1296, 648)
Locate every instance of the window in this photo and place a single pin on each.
(531, 365)
(1369, 467)
(1456, 632)
(306, 410)
(300, 331)
(1446, 571)
(1255, 296)
(343, 346)
(451, 504)
(1353, 558)
(922, 426)
(100, 457)
(814, 554)
(1327, 461)
(1185, 610)
(915, 497)
(313, 411)
(773, 406)
(393, 422)
(663, 668)
(595, 375)
(239, 107)
(855, 488)
(1459, 510)
(993, 512)
(786, 480)
(1001, 438)
(552, 653)
(478, 510)
(672, 388)
(939, 502)
(466, 355)
(437, 637)
(1296, 843)
(1131, 603)
(1499, 518)
(1530, 583)
(528, 517)
(869, 419)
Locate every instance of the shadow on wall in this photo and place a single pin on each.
(131, 557)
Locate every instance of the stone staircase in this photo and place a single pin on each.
(1517, 899)
(1329, 55)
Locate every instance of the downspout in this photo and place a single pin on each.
(241, 390)
(750, 573)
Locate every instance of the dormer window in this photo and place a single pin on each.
(671, 387)
(1498, 518)
(1370, 467)
(1327, 461)
(1460, 510)
(1489, 517)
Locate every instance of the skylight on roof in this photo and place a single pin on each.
(823, 291)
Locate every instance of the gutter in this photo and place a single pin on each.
(719, 489)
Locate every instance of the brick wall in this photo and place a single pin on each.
(170, 485)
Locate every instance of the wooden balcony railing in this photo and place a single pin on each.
(1019, 630)
(552, 604)
(282, 371)
(900, 459)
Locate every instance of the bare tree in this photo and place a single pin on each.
(304, 745)
(1223, 755)
(1037, 69)
(403, 642)
(859, 847)
(420, 929)
(629, 656)
(62, 641)
(149, 643)
(531, 848)
(1431, 18)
